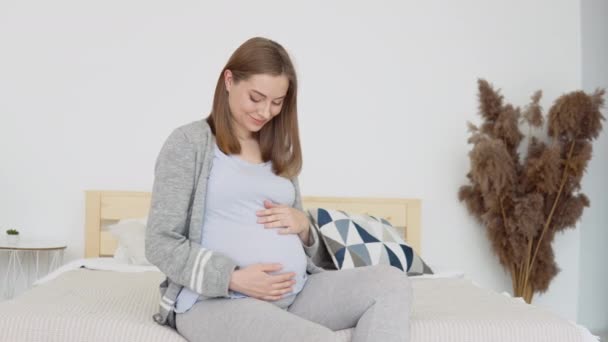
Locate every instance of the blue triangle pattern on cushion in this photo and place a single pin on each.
(409, 255)
(323, 217)
(342, 227)
(340, 256)
(365, 236)
(361, 251)
(394, 260)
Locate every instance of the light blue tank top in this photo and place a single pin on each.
(236, 190)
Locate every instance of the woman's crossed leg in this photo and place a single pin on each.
(376, 300)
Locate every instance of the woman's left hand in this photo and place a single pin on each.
(290, 220)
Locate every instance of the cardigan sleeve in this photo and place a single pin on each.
(313, 249)
(167, 245)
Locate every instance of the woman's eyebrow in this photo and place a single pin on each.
(265, 95)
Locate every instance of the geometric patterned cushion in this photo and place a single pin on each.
(356, 240)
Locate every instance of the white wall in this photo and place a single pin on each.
(89, 91)
(593, 299)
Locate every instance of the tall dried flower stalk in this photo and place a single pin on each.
(524, 202)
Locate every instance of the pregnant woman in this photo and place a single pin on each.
(227, 228)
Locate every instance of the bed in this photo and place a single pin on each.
(99, 298)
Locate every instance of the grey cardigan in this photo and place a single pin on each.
(175, 220)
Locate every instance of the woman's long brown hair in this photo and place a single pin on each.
(279, 138)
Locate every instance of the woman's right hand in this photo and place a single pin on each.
(254, 281)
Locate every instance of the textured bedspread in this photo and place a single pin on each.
(96, 305)
(450, 310)
(87, 305)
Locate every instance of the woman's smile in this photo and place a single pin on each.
(256, 121)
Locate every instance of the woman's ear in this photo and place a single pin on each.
(228, 79)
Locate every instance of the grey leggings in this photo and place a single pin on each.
(377, 300)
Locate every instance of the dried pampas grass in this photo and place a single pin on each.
(523, 202)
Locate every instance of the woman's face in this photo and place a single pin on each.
(255, 101)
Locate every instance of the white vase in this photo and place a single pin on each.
(12, 239)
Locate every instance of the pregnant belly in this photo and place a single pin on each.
(252, 244)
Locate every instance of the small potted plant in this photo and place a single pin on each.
(12, 236)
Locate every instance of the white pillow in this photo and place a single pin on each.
(131, 234)
(120, 254)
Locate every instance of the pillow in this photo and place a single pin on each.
(356, 240)
(120, 254)
(131, 234)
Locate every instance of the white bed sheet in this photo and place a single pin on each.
(104, 263)
(111, 264)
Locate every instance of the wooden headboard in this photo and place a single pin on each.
(107, 207)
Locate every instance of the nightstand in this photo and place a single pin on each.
(17, 251)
